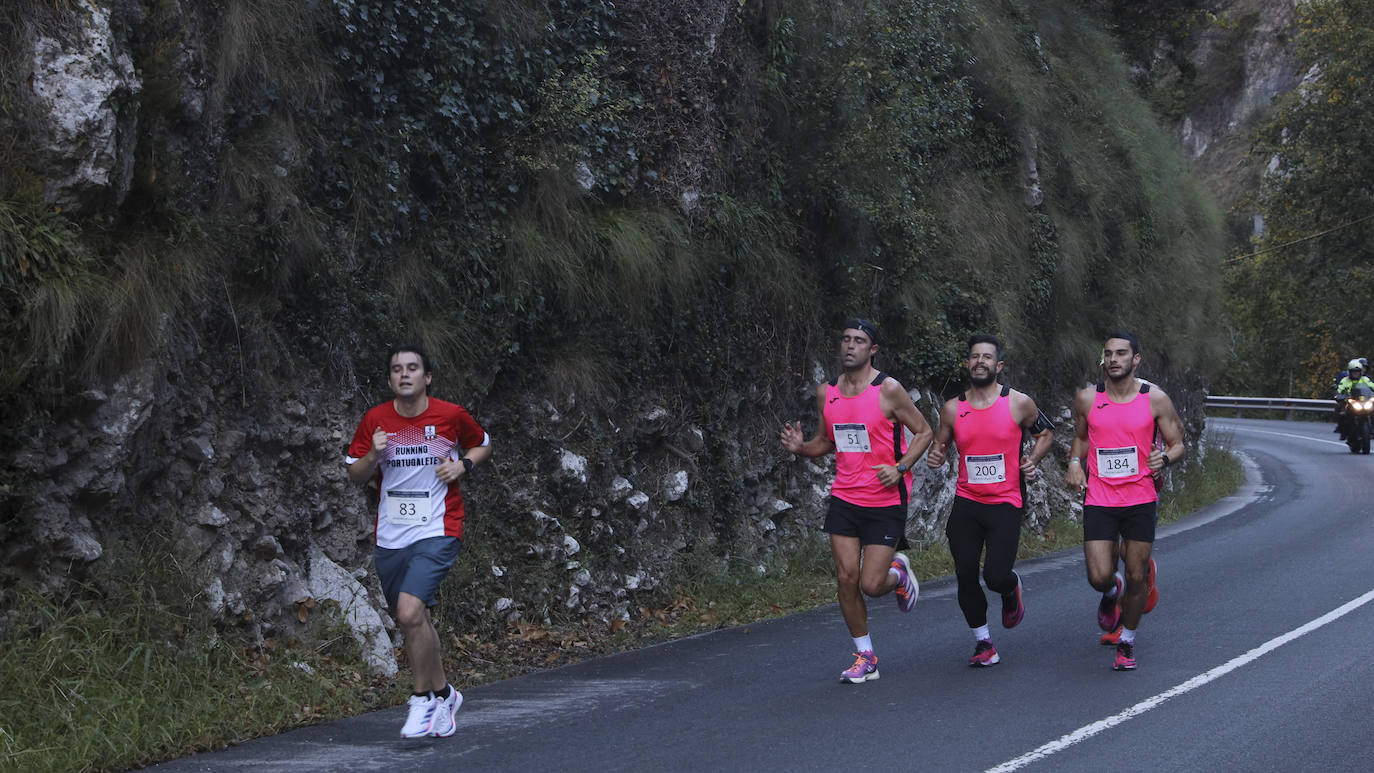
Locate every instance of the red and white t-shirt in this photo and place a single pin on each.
(414, 503)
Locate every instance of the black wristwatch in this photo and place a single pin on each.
(902, 468)
(467, 464)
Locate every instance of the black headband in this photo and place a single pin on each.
(858, 323)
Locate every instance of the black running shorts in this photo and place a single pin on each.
(1135, 523)
(872, 525)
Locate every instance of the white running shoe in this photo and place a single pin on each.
(420, 720)
(445, 723)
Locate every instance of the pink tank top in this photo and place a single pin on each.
(863, 437)
(1120, 436)
(989, 443)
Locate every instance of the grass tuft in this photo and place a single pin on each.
(116, 682)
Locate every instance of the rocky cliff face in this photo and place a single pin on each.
(235, 472)
(581, 512)
(1243, 61)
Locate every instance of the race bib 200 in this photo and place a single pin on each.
(990, 468)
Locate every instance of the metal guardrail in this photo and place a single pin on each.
(1289, 404)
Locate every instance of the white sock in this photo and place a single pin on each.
(1111, 594)
(863, 643)
(1127, 636)
(981, 633)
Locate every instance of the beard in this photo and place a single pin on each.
(1125, 374)
(982, 381)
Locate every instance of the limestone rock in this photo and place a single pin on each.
(328, 580)
(89, 94)
(675, 486)
(572, 466)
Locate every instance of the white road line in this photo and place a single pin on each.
(1088, 731)
(1237, 428)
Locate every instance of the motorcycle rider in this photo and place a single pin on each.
(1355, 377)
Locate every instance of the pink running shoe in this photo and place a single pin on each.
(984, 655)
(1011, 615)
(1109, 610)
(907, 590)
(865, 669)
(1125, 657)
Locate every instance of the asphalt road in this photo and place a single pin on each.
(1254, 660)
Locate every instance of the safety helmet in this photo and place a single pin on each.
(1354, 365)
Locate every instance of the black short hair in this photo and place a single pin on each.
(1127, 337)
(859, 323)
(413, 349)
(985, 338)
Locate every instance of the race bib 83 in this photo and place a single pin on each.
(407, 508)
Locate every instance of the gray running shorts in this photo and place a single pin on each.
(417, 568)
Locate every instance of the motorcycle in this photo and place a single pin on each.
(1357, 418)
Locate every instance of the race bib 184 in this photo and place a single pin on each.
(407, 508)
(991, 468)
(1118, 462)
(852, 438)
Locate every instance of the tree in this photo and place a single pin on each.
(1300, 301)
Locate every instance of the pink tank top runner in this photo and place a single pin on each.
(1120, 436)
(989, 444)
(863, 438)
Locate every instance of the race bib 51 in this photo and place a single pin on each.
(852, 438)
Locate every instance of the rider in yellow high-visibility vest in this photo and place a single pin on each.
(1356, 378)
(1347, 386)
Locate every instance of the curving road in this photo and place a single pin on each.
(1256, 659)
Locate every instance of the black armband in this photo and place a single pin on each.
(1041, 424)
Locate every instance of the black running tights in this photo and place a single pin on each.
(973, 525)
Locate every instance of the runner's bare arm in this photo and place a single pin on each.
(897, 406)
(1170, 429)
(1027, 415)
(1076, 477)
(939, 449)
(362, 470)
(453, 469)
(791, 435)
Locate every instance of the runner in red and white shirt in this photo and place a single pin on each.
(417, 447)
(1115, 426)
